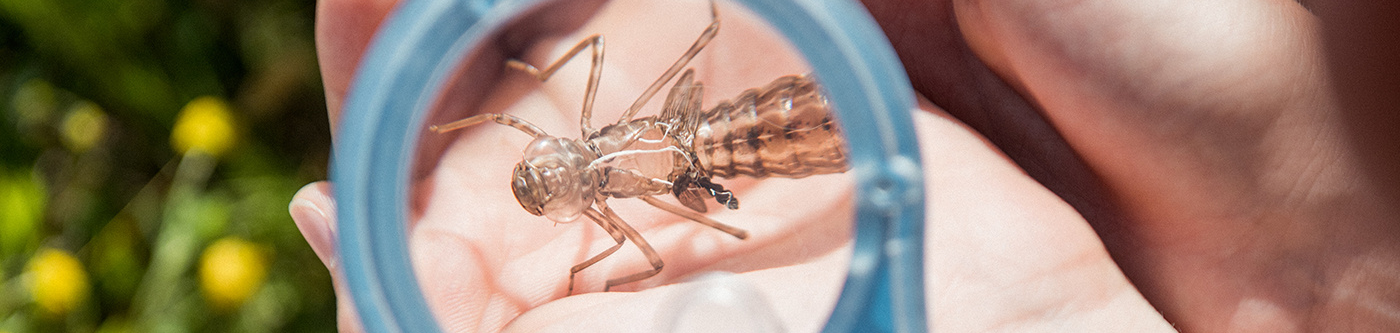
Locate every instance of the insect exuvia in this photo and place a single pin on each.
(784, 129)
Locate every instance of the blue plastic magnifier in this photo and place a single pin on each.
(422, 45)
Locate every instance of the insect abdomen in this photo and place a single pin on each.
(785, 129)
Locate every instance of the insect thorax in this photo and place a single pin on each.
(635, 155)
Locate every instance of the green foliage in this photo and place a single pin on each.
(89, 94)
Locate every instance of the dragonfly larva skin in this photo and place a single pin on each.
(785, 129)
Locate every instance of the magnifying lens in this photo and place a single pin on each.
(433, 230)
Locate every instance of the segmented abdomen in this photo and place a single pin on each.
(785, 129)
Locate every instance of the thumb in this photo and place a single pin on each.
(313, 209)
(343, 32)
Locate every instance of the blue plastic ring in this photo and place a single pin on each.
(423, 39)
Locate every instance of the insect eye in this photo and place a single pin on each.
(528, 189)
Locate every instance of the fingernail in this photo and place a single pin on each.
(315, 222)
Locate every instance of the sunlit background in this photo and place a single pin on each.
(150, 148)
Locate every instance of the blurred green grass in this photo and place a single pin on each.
(105, 226)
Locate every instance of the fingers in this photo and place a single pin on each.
(1205, 92)
(943, 68)
(1000, 249)
(313, 209)
(343, 32)
(1362, 48)
(1213, 126)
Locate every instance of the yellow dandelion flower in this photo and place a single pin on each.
(83, 126)
(206, 125)
(59, 283)
(230, 271)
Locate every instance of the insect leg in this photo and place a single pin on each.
(499, 118)
(641, 243)
(612, 231)
(700, 43)
(693, 216)
(594, 73)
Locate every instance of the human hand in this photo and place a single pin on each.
(1003, 250)
(1237, 184)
